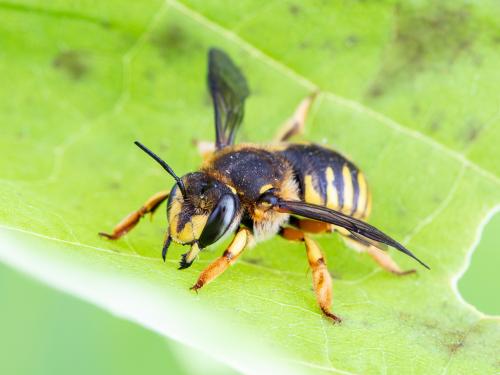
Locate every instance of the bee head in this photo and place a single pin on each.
(204, 213)
(200, 210)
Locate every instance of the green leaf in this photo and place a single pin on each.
(408, 91)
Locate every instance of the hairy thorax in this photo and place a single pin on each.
(251, 171)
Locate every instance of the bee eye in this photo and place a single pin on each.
(219, 220)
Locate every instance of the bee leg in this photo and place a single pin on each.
(131, 220)
(382, 258)
(291, 234)
(322, 280)
(228, 258)
(295, 124)
(313, 226)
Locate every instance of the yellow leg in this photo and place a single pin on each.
(228, 258)
(382, 258)
(295, 124)
(131, 220)
(322, 281)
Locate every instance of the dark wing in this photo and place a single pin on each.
(358, 228)
(229, 90)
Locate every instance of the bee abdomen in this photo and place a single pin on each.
(328, 179)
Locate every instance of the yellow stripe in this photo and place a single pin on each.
(363, 195)
(368, 206)
(310, 194)
(265, 188)
(332, 199)
(348, 190)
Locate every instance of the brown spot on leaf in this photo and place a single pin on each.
(425, 38)
(375, 91)
(435, 126)
(114, 185)
(351, 41)
(304, 45)
(73, 63)
(474, 128)
(171, 38)
(256, 261)
(294, 9)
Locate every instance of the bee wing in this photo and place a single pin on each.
(359, 229)
(229, 90)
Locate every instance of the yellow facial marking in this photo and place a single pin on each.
(265, 188)
(311, 195)
(191, 231)
(232, 188)
(193, 253)
(239, 243)
(363, 195)
(348, 190)
(332, 198)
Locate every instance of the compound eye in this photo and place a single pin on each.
(219, 220)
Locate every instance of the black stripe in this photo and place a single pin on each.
(338, 180)
(355, 188)
(320, 184)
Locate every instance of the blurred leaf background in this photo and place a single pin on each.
(409, 91)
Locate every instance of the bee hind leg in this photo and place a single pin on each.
(322, 281)
(131, 220)
(228, 258)
(295, 125)
(381, 257)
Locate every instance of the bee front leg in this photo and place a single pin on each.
(295, 125)
(131, 220)
(228, 258)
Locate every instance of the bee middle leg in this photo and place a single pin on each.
(131, 220)
(295, 124)
(381, 257)
(228, 258)
(322, 281)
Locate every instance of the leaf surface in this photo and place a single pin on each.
(409, 92)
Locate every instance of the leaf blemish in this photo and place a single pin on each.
(473, 131)
(71, 62)
(294, 9)
(171, 38)
(256, 261)
(430, 38)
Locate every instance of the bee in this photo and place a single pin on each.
(253, 192)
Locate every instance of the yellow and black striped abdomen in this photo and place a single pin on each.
(328, 179)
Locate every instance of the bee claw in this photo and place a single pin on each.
(405, 273)
(196, 286)
(335, 319)
(108, 236)
(183, 264)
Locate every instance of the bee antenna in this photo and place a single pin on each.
(164, 165)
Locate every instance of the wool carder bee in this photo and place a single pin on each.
(254, 192)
